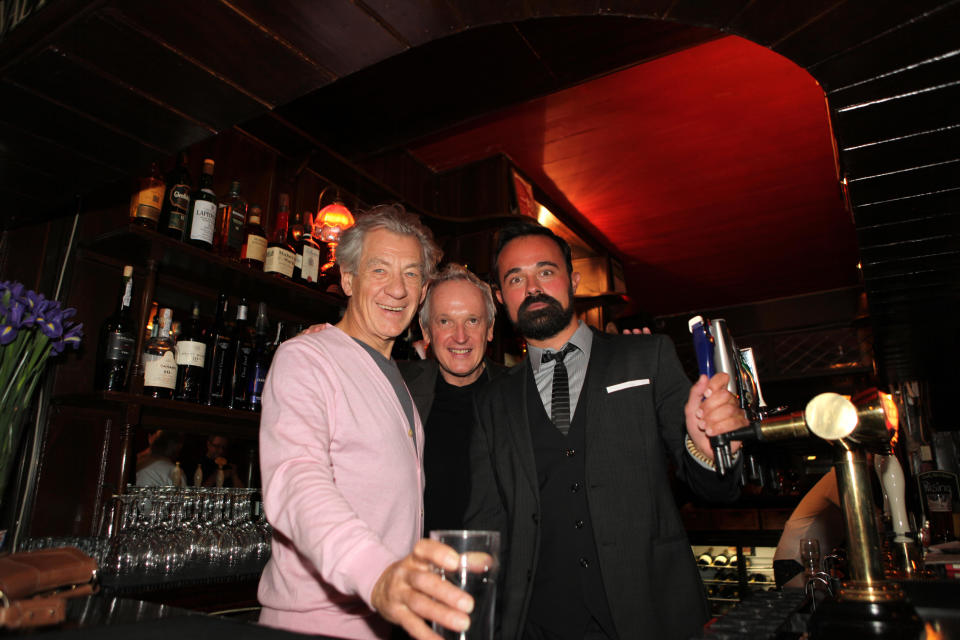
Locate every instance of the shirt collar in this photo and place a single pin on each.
(582, 339)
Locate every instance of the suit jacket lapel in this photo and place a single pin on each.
(594, 389)
(518, 423)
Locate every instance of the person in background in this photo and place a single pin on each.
(457, 322)
(819, 516)
(569, 462)
(215, 459)
(341, 453)
(156, 469)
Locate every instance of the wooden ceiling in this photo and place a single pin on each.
(93, 90)
(711, 172)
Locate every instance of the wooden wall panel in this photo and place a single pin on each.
(910, 42)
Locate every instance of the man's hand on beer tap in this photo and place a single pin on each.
(711, 410)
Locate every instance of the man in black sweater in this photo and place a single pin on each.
(457, 321)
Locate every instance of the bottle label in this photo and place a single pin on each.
(235, 230)
(310, 268)
(160, 370)
(127, 293)
(204, 221)
(191, 353)
(279, 260)
(254, 249)
(298, 261)
(178, 199)
(119, 346)
(147, 203)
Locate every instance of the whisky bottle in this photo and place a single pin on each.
(202, 221)
(231, 223)
(191, 358)
(160, 361)
(254, 249)
(281, 258)
(118, 336)
(146, 202)
(309, 252)
(218, 372)
(176, 203)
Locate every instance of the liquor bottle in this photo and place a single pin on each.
(231, 223)
(202, 221)
(160, 361)
(176, 203)
(118, 335)
(259, 360)
(146, 202)
(294, 238)
(309, 255)
(280, 257)
(191, 358)
(218, 372)
(241, 354)
(254, 249)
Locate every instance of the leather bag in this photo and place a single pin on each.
(34, 585)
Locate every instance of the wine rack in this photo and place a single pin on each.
(730, 572)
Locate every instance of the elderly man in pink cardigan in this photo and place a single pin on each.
(340, 449)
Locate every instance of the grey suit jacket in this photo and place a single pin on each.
(421, 379)
(636, 390)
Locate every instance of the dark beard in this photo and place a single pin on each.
(543, 323)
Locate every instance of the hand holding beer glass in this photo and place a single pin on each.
(476, 574)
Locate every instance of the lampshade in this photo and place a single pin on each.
(333, 220)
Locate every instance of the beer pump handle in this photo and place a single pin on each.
(703, 344)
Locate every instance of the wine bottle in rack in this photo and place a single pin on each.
(218, 372)
(281, 258)
(118, 337)
(202, 220)
(160, 360)
(146, 202)
(191, 358)
(176, 202)
(254, 249)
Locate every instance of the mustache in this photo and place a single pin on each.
(538, 298)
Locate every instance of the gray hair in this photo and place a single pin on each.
(394, 218)
(452, 273)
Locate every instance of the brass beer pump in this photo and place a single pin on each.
(867, 604)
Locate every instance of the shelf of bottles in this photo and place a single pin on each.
(730, 572)
(189, 245)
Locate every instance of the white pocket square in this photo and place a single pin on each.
(626, 385)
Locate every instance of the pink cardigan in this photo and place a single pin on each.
(342, 486)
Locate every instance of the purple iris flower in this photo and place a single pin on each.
(72, 337)
(8, 333)
(14, 315)
(51, 325)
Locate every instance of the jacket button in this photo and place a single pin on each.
(575, 487)
(584, 563)
(535, 517)
(529, 575)
(578, 524)
(570, 453)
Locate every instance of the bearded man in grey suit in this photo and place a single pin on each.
(569, 462)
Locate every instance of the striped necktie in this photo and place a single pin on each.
(560, 396)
